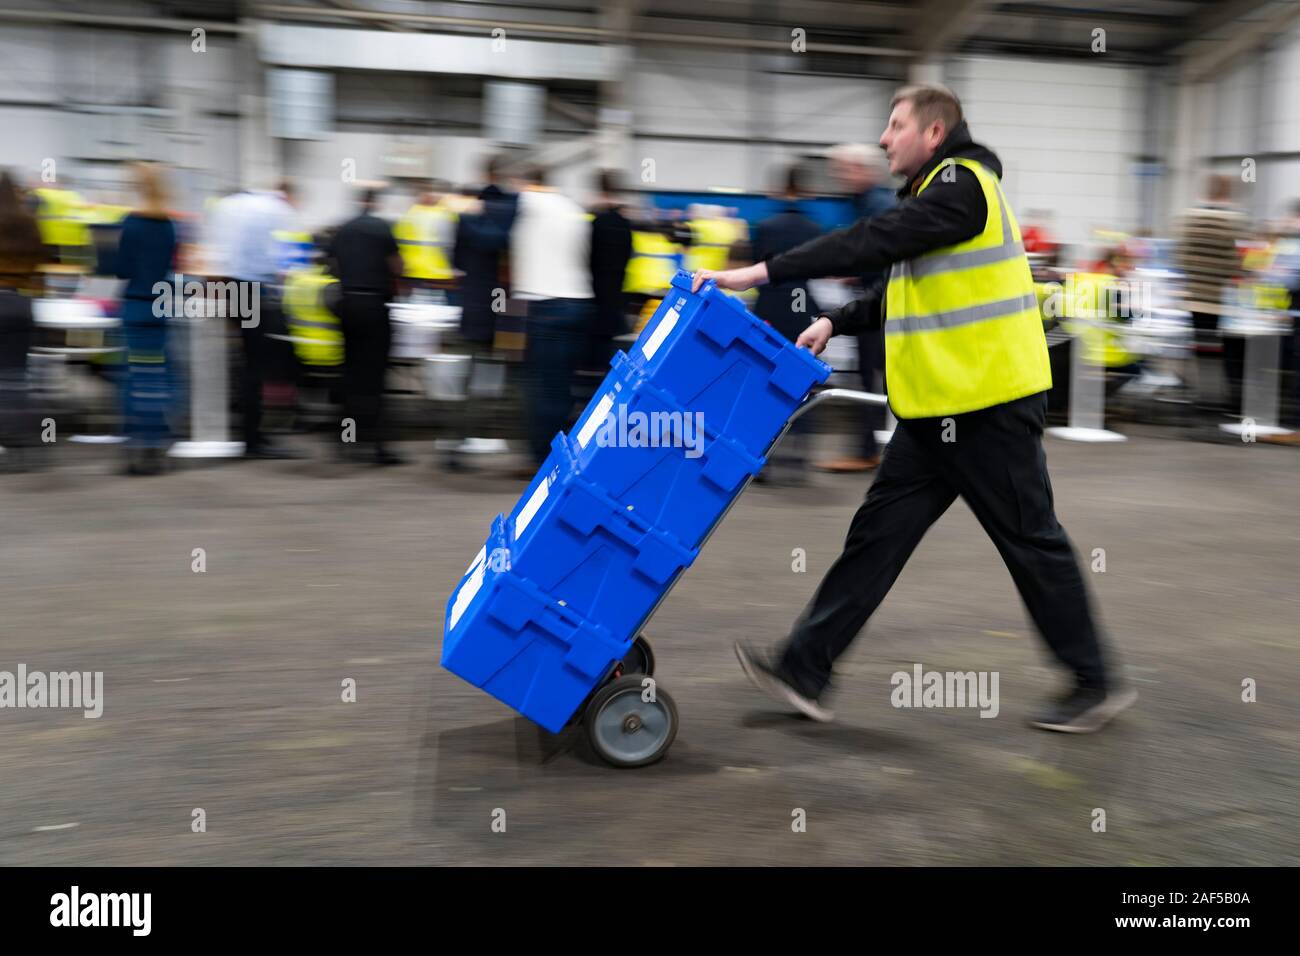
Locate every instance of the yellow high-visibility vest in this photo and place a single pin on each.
(1089, 298)
(61, 216)
(425, 236)
(655, 260)
(317, 335)
(711, 245)
(962, 326)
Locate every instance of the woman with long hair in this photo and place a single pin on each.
(21, 254)
(145, 254)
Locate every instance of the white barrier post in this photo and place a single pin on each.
(209, 393)
(1087, 398)
(1259, 386)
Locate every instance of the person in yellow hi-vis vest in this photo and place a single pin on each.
(712, 236)
(426, 235)
(64, 220)
(966, 361)
(317, 335)
(1093, 308)
(655, 260)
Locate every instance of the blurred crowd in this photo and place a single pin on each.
(482, 314)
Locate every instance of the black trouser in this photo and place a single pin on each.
(871, 359)
(17, 331)
(557, 341)
(367, 334)
(996, 463)
(251, 379)
(1230, 349)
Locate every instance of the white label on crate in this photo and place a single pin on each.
(530, 509)
(482, 553)
(598, 415)
(660, 333)
(466, 595)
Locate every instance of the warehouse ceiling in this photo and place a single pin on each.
(886, 34)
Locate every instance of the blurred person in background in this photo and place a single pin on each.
(1207, 255)
(247, 249)
(426, 236)
(364, 255)
(1100, 302)
(550, 256)
(1285, 272)
(611, 250)
(857, 168)
(63, 216)
(969, 375)
(1038, 240)
(480, 255)
(787, 306)
(146, 254)
(22, 252)
(712, 233)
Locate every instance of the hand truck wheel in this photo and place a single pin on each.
(639, 659)
(624, 728)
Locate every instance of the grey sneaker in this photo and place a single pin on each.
(1084, 711)
(769, 680)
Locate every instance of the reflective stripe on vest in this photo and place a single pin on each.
(962, 324)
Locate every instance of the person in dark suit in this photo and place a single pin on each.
(856, 166)
(482, 242)
(365, 256)
(481, 256)
(611, 248)
(787, 307)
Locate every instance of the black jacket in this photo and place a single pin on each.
(787, 230)
(611, 248)
(945, 214)
(481, 242)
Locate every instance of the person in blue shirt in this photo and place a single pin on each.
(145, 253)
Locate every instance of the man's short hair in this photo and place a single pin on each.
(793, 180)
(609, 182)
(1218, 188)
(859, 154)
(930, 103)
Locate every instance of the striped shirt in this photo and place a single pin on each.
(1207, 253)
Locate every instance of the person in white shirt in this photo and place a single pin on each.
(550, 249)
(245, 247)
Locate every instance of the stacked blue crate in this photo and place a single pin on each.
(622, 504)
(504, 634)
(708, 352)
(678, 474)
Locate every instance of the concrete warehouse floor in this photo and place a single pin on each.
(223, 689)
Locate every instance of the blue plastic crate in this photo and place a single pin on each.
(656, 457)
(507, 636)
(596, 555)
(711, 355)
